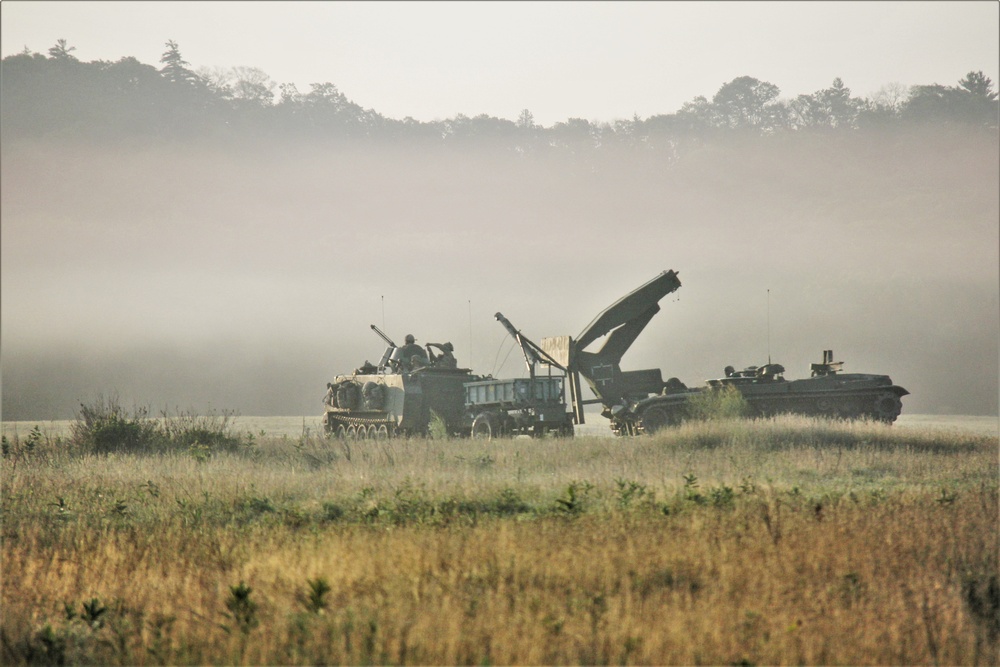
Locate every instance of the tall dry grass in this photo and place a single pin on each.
(777, 541)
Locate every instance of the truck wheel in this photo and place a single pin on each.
(654, 418)
(484, 427)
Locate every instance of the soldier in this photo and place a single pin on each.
(367, 368)
(411, 354)
(446, 359)
(328, 399)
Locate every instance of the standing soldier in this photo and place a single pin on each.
(447, 358)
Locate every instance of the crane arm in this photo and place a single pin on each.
(626, 318)
(533, 354)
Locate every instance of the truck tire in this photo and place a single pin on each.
(485, 427)
(654, 418)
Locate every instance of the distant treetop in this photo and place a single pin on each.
(41, 96)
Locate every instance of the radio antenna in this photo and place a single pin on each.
(769, 326)
(470, 332)
(383, 311)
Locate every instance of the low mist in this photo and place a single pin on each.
(179, 276)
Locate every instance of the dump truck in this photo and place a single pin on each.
(534, 405)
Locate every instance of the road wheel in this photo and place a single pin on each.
(352, 432)
(887, 407)
(654, 418)
(382, 432)
(484, 427)
(341, 432)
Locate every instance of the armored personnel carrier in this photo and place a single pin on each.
(641, 402)
(399, 395)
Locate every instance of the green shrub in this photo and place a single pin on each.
(104, 426)
(724, 403)
(37, 444)
(242, 610)
(212, 431)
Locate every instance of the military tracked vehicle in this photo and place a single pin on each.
(400, 394)
(827, 393)
(642, 402)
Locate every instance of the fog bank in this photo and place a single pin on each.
(175, 275)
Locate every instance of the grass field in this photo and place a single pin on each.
(295, 426)
(788, 540)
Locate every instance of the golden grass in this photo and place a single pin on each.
(771, 542)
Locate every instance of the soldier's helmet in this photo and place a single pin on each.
(410, 339)
(448, 347)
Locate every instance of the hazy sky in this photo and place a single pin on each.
(595, 60)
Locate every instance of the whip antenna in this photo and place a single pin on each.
(383, 311)
(769, 326)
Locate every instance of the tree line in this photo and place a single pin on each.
(57, 95)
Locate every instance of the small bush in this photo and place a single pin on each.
(242, 610)
(37, 445)
(315, 600)
(104, 426)
(438, 427)
(724, 403)
(575, 499)
(185, 430)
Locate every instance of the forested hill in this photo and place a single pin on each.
(58, 96)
